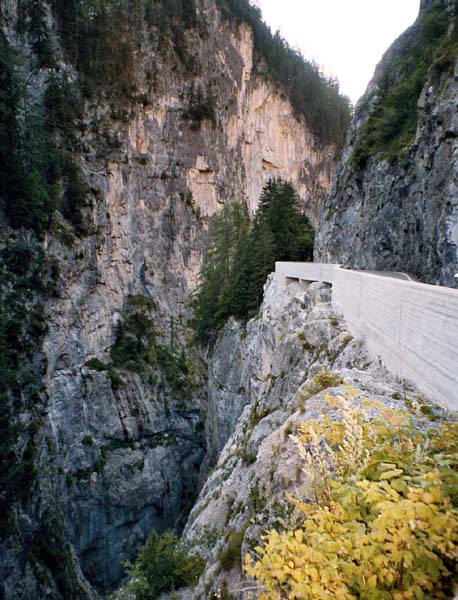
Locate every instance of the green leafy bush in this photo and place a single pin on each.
(322, 381)
(230, 555)
(135, 342)
(202, 105)
(138, 348)
(97, 365)
(164, 564)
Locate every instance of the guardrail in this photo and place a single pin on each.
(411, 327)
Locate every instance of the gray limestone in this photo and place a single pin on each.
(115, 464)
(296, 337)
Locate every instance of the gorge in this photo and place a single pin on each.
(126, 127)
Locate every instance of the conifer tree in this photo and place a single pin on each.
(264, 254)
(241, 284)
(213, 298)
(279, 208)
(239, 258)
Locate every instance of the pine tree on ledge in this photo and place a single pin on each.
(239, 257)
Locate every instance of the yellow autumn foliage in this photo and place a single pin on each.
(379, 517)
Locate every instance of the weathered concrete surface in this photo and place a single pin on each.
(305, 272)
(412, 327)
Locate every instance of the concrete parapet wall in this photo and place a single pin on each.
(304, 271)
(411, 327)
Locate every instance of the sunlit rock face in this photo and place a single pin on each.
(157, 194)
(402, 214)
(119, 459)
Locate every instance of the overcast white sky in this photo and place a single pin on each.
(346, 37)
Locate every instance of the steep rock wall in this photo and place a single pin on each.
(118, 450)
(401, 214)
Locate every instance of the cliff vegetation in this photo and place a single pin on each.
(97, 383)
(378, 518)
(314, 97)
(241, 255)
(164, 564)
(392, 122)
(394, 203)
(103, 43)
(103, 439)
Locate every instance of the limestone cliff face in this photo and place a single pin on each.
(402, 214)
(119, 451)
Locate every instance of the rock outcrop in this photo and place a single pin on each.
(398, 210)
(283, 366)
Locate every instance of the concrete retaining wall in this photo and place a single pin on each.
(411, 327)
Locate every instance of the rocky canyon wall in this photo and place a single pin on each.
(120, 436)
(393, 205)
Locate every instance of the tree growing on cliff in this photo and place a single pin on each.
(239, 257)
(164, 564)
(314, 97)
(291, 230)
(212, 303)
